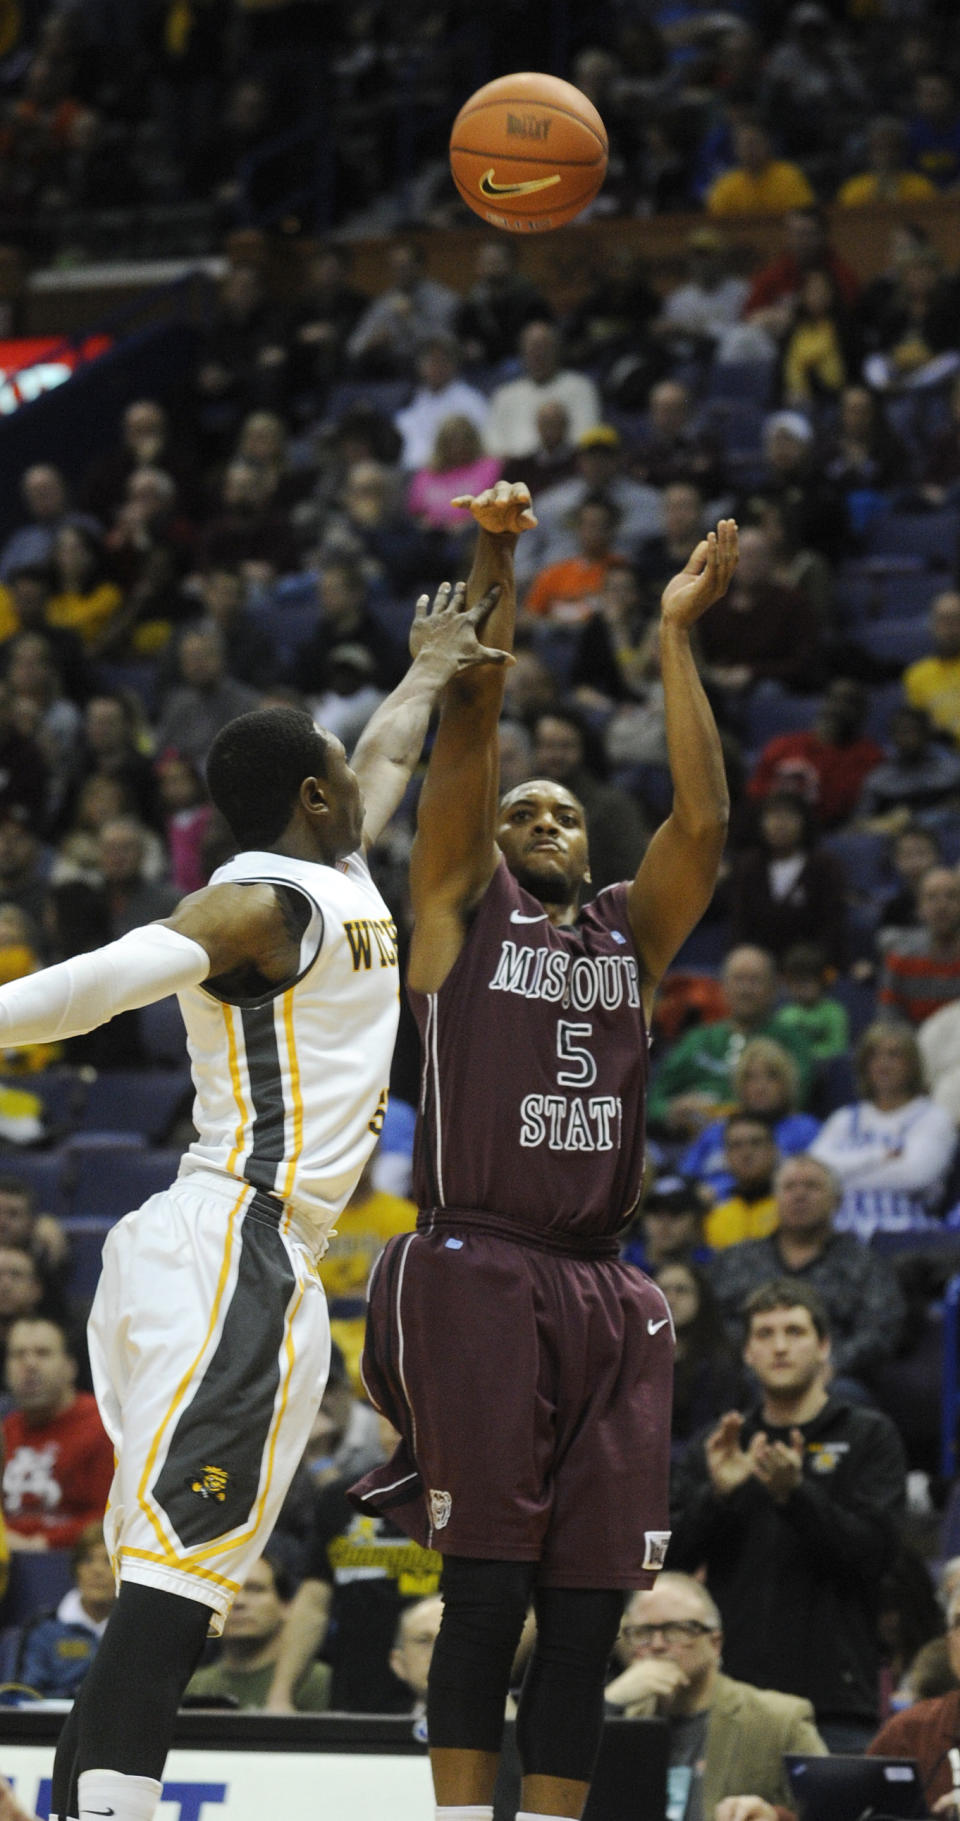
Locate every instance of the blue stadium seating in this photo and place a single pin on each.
(931, 536)
(43, 1170)
(86, 1233)
(895, 641)
(37, 1581)
(161, 1031)
(131, 1100)
(110, 1181)
(771, 711)
(865, 594)
(863, 857)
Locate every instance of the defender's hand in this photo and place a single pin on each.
(449, 630)
(705, 579)
(504, 507)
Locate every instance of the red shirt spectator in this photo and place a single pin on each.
(827, 763)
(58, 1458)
(807, 247)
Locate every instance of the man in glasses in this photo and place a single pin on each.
(727, 1739)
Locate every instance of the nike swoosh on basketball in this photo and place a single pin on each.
(489, 187)
(518, 917)
(654, 1327)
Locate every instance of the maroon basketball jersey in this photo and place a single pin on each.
(534, 1068)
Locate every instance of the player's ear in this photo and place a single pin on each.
(314, 795)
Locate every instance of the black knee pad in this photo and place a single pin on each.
(560, 1717)
(484, 1606)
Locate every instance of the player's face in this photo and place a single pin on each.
(542, 834)
(785, 1351)
(345, 827)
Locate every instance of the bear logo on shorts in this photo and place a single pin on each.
(655, 1550)
(441, 1505)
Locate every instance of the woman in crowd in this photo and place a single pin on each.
(765, 1083)
(893, 1147)
(707, 1377)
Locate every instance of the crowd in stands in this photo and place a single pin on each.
(260, 536)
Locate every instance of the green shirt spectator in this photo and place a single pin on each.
(250, 1687)
(253, 1633)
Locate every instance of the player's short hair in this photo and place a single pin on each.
(256, 766)
(787, 1293)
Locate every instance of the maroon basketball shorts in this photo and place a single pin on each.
(532, 1393)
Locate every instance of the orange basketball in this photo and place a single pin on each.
(528, 152)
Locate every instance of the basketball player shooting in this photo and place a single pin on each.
(527, 1369)
(209, 1337)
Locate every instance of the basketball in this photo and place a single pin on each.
(528, 152)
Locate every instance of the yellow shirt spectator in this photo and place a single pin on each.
(731, 1221)
(779, 186)
(369, 1219)
(866, 187)
(933, 684)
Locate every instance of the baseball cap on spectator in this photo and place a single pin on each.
(793, 422)
(599, 436)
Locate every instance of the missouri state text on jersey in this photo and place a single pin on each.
(560, 1013)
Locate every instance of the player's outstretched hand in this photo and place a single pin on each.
(705, 579)
(450, 630)
(503, 507)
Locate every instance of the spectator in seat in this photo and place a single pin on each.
(812, 1010)
(788, 888)
(672, 448)
(887, 177)
(83, 599)
(806, 246)
(941, 470)
(911, 336)
(727, 1738)
(322, 319)
(370, 1218)
(600, 474)
(251, 1640)
(928, 1730)
(933, 683)
(44, 493)
(696, 315)
(819, 354)
(251, 652)
(24, 861)
(863, 453)
(669, 1229)
(58, 1460)
(498, 305)
(760, 632)
(694, 1083)
(146, 441)
(457, 465)
(25, 597)
(553, 460)
(759, 183)
(343, 617)
(748, 1210)
(921, 967)
(132, 897)
(864, 1305)
(512, 424)
(893, 1148)
(24, 1227)
(827, 765)
(111, 748)
(764, 1087)
(206, 697)
(797, 1502)
(923, 774)
(360, 1574)
(368, 526)
(912, 853)
(58, 1649)
(249, 532)
(707, 1377)
(566, 593)
(385, 341)
(188, 815)
(440, 394)
(793, 476)
(933, 128)
(413, 1644)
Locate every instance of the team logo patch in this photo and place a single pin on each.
(441, 1505)
(211, 1483)
(655, 1548)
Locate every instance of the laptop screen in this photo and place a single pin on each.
(855, 1788)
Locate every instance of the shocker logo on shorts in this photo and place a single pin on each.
(441, 1505)
(211, 1484)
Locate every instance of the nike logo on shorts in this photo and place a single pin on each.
(654, 1327)
(518, 917)
(97, 1811)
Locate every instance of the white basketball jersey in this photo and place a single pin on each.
(291, 1085)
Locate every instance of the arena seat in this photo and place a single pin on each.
(86, 1233)
(931, 536)
(864, 858)
(37, 1580)
(132, 1100)
(868, 594)
(161, 1031)
(43, 1170)
(108, 1182)
(771, 710)
(900, 641)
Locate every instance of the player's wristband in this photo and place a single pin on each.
(75, 996)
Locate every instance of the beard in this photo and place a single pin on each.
(548, 883)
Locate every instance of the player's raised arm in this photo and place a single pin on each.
(678, 874)
(454, 854)
(445, 641)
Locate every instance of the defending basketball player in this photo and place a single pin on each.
(527, 1369)
(209, 1338)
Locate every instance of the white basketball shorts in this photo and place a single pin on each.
(209, 1346)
